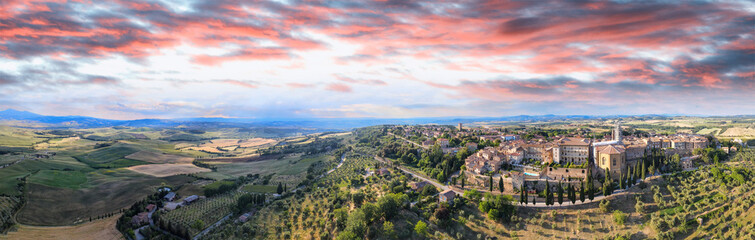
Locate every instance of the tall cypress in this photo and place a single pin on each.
(560, 193)
(500, 184)
(582, 191)
(547, 193)
(491, 183)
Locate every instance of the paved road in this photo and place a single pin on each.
(432, 181)
(417, 144)
(212, 226)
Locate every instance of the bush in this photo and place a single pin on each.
(604, 205)
(619, 217)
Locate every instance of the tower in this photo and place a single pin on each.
(460, 129)
(617, 132)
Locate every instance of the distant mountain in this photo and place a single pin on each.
(24, 118)
(17, 115)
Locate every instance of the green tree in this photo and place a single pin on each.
(572, 194)
(582, 191)
(547, 193)
(500, 184)
(347, 235)
(463, 179)
(560, 193)
(356, 223)
(280, 188)
(490, 184)
(421, 228)
(644, 170)
(388, 230)
(621, 181)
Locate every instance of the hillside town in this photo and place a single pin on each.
(561, 158)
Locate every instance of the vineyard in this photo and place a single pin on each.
(199, 215)
(8, 205)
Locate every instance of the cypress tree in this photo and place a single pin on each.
(621, 181)
(547, 193)
(644, 170)
(560, 193)
(280, 188)
(573, 197)
(582, 191)
(500, 184)
(491, 183)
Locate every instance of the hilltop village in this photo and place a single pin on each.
(520, 158)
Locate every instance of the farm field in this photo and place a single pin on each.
(110, 157)
(289, 170)
(260, 188)
(256, 142)
(99, 229)
(168, 169)
(153, 157)
(57, 178)
(109, 191)
(739, 132)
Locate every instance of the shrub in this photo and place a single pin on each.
(604, 205)
(619, 217)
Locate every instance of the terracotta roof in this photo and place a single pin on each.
(611, 149)
(575, 141)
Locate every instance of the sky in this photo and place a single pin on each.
(376, 59)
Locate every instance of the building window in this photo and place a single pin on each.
(604, 160)
(613, 162)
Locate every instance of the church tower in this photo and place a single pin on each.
(617, 132)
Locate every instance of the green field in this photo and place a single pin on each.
(260, 188)
(109, 191)
(289, 170)
(111, 157)
(56, 178)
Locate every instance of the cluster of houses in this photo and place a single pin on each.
(613, 154)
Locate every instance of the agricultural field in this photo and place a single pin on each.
(98, 229)
(153, 157)
(110, 157)
(290, 169)
(739, 132)
(168, 169)
(59, 178)
(256, 142)
(259, 188)
(199, 215)
(107, 191)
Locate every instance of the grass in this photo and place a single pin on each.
(99, 229)
(108, 191)
(110, 157)
(57, 178)
(289, 169)
(260, 188)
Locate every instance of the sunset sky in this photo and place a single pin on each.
(381, 59)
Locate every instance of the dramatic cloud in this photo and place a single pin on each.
(127, 59)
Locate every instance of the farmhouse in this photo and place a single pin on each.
(418, 185)
(170, 196)
(140, 219)
(447, 196)
(151, 207)
(383, 171)
(190, 199)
